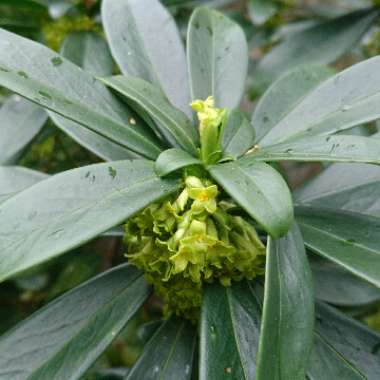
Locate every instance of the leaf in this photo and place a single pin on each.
(260, 11)
(65, 337)
(238, 135)
(319, 44)
(23, 19)
(349, 98)
(353, 187)
(285, 94)
(347, 238)
(354, 341)
(78, 269)
(260, 190)
(71, 208)
(146, 43)
(55, 83)
(230, 323)
(170, 120)
(14, 179)
(169, 353)
(327, 363)
(337, 286)
(174, 159)
(341, 148)
(217, 56)
(90, 52)
(20, 122)
(288, 315)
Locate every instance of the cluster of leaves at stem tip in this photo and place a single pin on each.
(194, 238)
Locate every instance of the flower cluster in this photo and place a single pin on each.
(184, 242)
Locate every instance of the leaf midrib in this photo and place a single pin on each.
(164, 118)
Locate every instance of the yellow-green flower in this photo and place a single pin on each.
(211, 125)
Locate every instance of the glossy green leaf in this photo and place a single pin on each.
(260, 11)
(285, 94)
(288, 315)
(340, 148)
(169, 353)
(64, 338)
(217, 56)
(145, 43)
(349, 98)
(230, 323)
(260, 190)
(238, 135)
(319, 44)
(347, 238)
(172, 123)
(14, 179)
(58, 85)
(20, 122)
(71, 208)
(353, 187)
(174, 159)
(327, 363)
(337, 286)
(90, 52)
(354, 341)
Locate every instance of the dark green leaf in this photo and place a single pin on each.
(14, 179)
(327, 363)
(260, 190)
(349, 98)
(90, 52)
(55, 83)
(64, 338)
(230, 323)
(320, 44)
(24, 3)
(340, 148)
(285, 94)
(20, 122)
(145, 43)
(288, 315)
(23, 19)
(337, 286)
(354, 341)
(346, 238)
(78, 270)
(169, 353)
(217, 55)
(173, 159)
(173, 123)
(73, 207)
(238, 135)
(353, 187)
